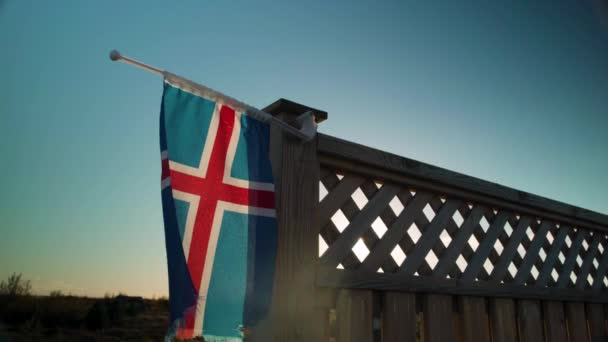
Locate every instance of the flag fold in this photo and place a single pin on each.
(219, 213)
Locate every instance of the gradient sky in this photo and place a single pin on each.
(516, 94)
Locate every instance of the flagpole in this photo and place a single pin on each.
(307, 121)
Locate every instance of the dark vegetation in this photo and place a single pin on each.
(60, 317)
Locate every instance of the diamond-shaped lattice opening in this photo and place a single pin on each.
(498, 247)
(530, 233)
(322, 191)
(380, 270)
(521, 250)
(412, 192)
(484, 224)
(600, 248)
(359, 198)
(534, 272)
(414, 232)
(378, 185)
(542, 254)
(470, 205)
(322, 245)
(508, 229)
(340, 220)
(431, 259)
(573, 277)
(458, 219)
(360, 250)
(590, 280)
(568, 241)
(585, 245)
(605, 282)
(473, 243)
(442, 199)
(396, 205)
(561, 257)
(595, 263)
(379, 227)
(398, 255)
(550, 237)
(579, 260)
(445, 238)
(340, 267)
(339, 176)
(512, 269)
(554, 275)
(487, 265)
(428, 212)
(462, 263)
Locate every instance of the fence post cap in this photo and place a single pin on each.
(286, 106)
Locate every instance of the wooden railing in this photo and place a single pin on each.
(423, 228)
(377, 247)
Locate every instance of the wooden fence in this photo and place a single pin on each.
(377, 247)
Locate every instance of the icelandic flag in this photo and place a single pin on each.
(219, 213)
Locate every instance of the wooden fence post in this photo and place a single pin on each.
(296, 172)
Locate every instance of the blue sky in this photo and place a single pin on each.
(516, 94)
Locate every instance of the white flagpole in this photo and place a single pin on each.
(307, 121)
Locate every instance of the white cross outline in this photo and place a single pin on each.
(222, 206)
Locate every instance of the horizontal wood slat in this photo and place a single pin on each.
(331, 277)
(358, 154)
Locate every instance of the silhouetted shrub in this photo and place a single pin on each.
(56, 293)
(15, 286)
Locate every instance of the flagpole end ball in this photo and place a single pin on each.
(115, 55)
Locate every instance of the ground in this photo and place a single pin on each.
(69, 318)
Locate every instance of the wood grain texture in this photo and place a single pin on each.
(597, 323)
(598, 282)
(485, 247)
(343, 245)
(581, 280)
(332, 277)
(430, 235)
(506, 257)
(354, 316)
(569, 263)
(395, 232)
(555, 322)
(399, 317)
(336, 197)
(577, 322)
(359, 154)
(474, 323)
(503, 320)
(530, 321)
(551, 260)
(388, 217)
(296, 172)
(540, 236)
(448, 259)
(438, 318)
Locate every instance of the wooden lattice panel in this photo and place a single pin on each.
(406, 235)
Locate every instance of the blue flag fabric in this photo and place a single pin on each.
(219, 214)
